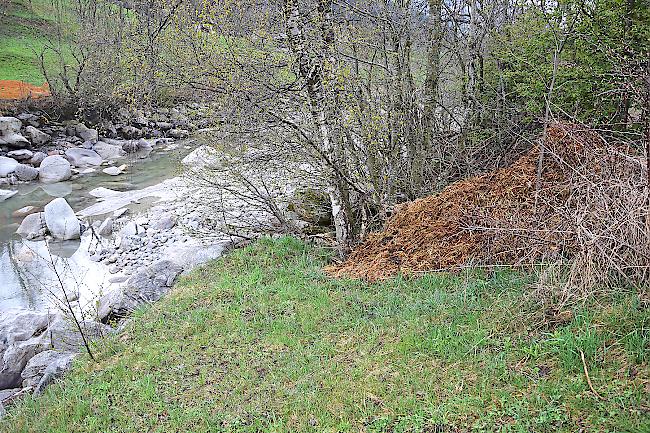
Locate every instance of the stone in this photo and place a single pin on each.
(85, 133)
(24, 211)
(83, 157)
(54, 371)
(8, 394)
(20, 155)
(167, 222)
(131, 132)
(6, 194)
(26, 173)
(114, 171)
(55, 169)
(130, 146)
(33, 226)
(145, 286)
(106, 228)
(108, 151)
(10, 132)
(120, 212)
(24, 334)
(165, 126)
(9, 125)
(61, 220)
(203, 156)
(37, 136)
(7, 165)
(178, 134)
(130, 229)
(38, 365)
(37, 158)
(13, 140)
(17, 327)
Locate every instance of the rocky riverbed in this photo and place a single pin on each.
(102, 252)
(119, 247)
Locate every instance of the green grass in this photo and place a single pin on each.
(25, 27)
(264, 341)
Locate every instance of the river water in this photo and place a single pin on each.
(27, 276)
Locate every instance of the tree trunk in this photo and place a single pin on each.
(315, 71)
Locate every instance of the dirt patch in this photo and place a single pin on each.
(496, 218)
(20, 91)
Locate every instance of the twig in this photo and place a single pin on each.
(584, 365)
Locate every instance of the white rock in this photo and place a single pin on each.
(20, 155)
(7, 165)
(14, 140)
(114, 171)
(24, 211)
(55, 169)
(9, 125)
(85, 133)
(33, 226)
(26, 173)
(6, 194)
(108, 151)
(204, 156)
(106, 228)
(37, 158)
(83, 157)
(61, 220)
(36, 136)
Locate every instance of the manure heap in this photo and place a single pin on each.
(496, 218)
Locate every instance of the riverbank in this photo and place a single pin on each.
(262, 340)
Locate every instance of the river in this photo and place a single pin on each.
(27, 277)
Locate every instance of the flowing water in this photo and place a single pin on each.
(27, 277)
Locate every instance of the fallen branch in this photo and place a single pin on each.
(591, 386)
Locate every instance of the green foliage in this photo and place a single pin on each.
(603, 47)
(263, 341)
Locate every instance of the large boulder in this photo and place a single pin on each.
(37, 136)
(9, 125)
(146, 286)
(26, 173)
(85, 133)
(55, 169)
(33, 226)
(83, 157)
(48, 362)
(37, 158)
(17, 327)
(61, 220)
(7, 165)
(14, 140)
(20, 154)
(108, 151)
(24, 334)
(203, 156)
(10, 132)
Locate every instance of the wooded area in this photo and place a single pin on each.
(384, 101)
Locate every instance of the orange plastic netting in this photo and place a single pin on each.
(13, 90)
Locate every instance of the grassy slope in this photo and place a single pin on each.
(24, 28)
(263, 341)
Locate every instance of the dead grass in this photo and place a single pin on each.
(588, 214)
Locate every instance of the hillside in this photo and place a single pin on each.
(25, 26)
(264, 341)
